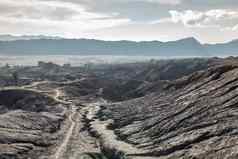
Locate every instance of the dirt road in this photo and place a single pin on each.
(75, 141)
(62, 148)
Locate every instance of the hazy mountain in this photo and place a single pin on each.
(230, 48)
(7, 37)
(42, 45)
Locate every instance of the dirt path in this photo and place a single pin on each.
(35, 84)
(58, 94)
(62, 148)
(74, 141)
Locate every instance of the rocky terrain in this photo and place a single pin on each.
(158, 109)
(29, 122)
(194, 117)
(150, 77)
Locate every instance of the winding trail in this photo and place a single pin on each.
(75, 123)
(74, 140)
(58, 93)
(75, 144)
(62, 148)
(82, 144)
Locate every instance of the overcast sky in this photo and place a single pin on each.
(210, 21)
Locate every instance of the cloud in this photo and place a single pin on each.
(209, 4)
(212, 18)
(64, 16)
(136, 10)
(37, 9)
(164, 2)
(234, 28)
(129, 19)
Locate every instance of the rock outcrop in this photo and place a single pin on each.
(153, 76)
(193, 117)
(28, 121)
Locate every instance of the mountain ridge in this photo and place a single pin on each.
(4, 37)
(43, 45)
(9, 37)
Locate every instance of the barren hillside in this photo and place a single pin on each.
(29, 122)
(195, 117)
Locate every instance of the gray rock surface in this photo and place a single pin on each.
(28, 121)
(194, 117)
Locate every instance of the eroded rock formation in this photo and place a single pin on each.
(194, 117)
(28, 123)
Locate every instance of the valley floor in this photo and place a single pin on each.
(81, 123)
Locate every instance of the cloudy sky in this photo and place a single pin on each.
(210, 21)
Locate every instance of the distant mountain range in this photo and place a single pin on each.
(44, 45)
(7, 37)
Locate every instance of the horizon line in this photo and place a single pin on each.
(56, 37)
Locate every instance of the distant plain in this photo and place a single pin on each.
(76, 60)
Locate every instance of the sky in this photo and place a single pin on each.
(209, 21)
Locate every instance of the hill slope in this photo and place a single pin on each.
(195, 117)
